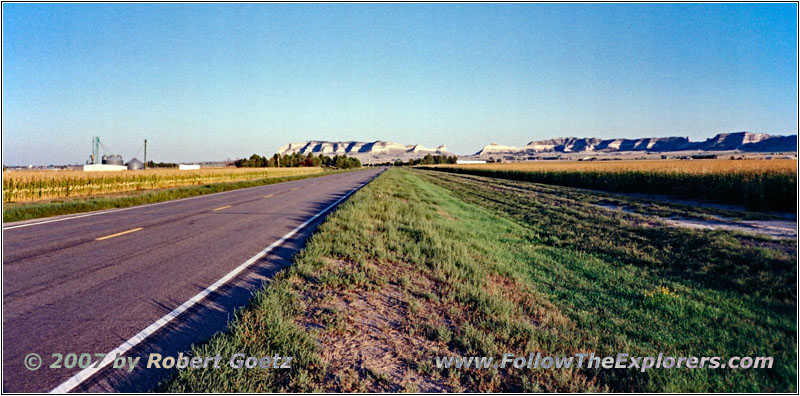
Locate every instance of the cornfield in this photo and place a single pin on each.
(22, 186)
(757, 184)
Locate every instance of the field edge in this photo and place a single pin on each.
(19, 212)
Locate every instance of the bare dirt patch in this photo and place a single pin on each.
(773, 228)
(786, 229)
(368, 340)
(444, 214)
(384, 338)
(538, 310)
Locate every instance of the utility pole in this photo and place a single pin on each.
(145, 154)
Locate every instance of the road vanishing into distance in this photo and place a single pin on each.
(152, 278)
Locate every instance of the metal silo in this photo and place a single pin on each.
(112, 159)
(135, 164)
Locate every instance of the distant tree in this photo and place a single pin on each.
(152, 164)
(297, 160)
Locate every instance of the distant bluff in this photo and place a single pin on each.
(369, 152)
(743, 141)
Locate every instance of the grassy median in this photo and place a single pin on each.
(422, 264)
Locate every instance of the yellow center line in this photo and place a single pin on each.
(269, 195)
(118, 234)
(223, 207)
(296, 188)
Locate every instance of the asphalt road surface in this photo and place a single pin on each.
(88, 284)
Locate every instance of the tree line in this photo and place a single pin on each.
(428, 160)
(153, 164)
(298, 160)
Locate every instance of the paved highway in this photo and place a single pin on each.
(107, 280)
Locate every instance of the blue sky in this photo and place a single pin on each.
(216, 81)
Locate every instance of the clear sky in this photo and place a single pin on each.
(215, 81)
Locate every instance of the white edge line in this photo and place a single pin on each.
(88, 372)
(96, 213)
